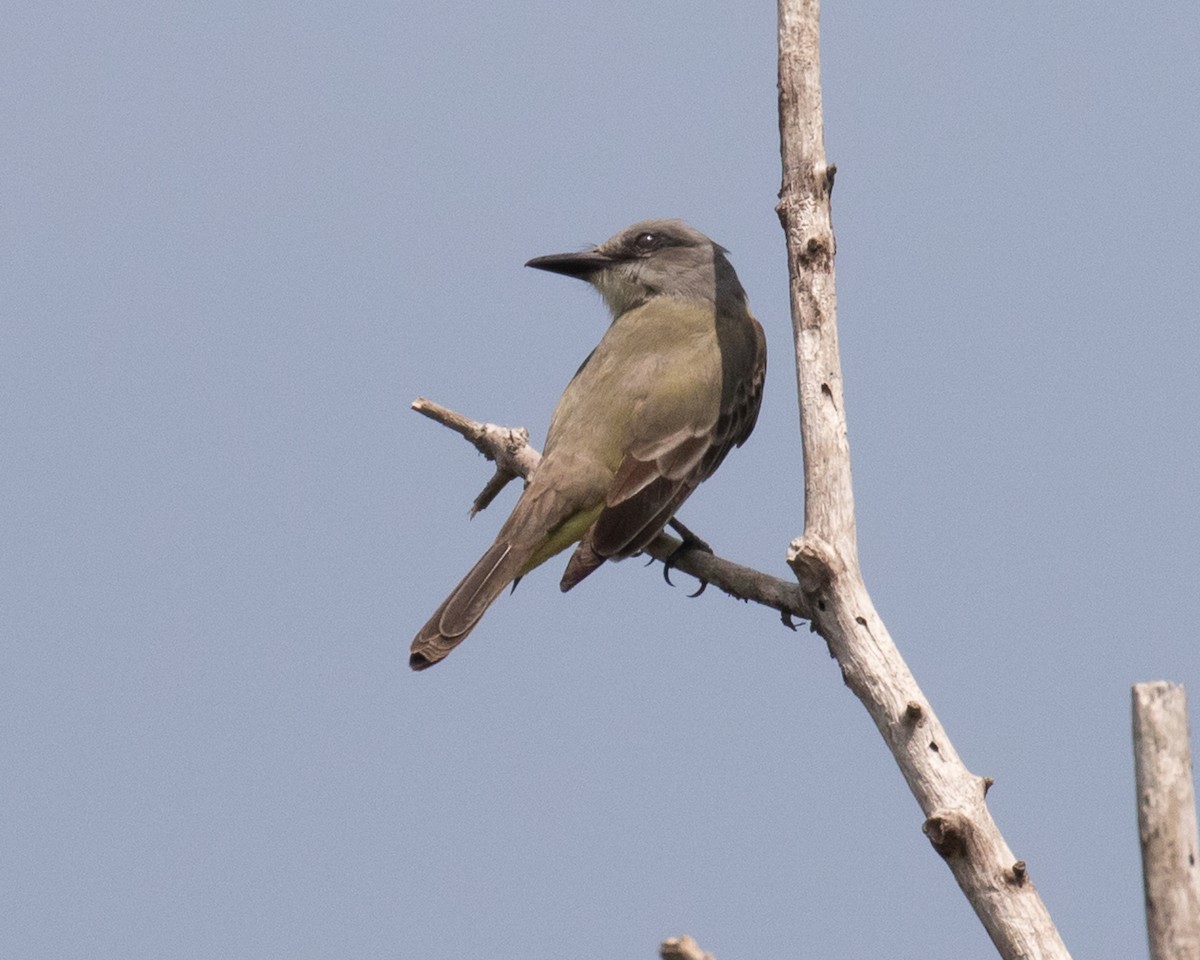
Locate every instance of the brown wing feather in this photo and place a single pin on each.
(645, 493)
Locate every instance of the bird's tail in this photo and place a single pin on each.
(460, 611)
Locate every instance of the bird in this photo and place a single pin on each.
(675, 383)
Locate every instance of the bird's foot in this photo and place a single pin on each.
(690, 542)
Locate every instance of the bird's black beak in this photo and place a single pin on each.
(583, 265)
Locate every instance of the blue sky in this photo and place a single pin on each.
(241, 238)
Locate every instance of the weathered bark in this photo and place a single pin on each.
(825, 558)
(1166, 802)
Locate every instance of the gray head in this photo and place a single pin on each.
(653, 258)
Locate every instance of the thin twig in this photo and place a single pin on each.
(508, 447)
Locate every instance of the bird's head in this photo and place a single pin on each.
(650, 259)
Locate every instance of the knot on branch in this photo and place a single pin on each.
(949, 833)
(512, 438)
(814, 562)
(816, 252)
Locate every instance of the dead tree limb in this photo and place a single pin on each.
(825, 558)
(1166, 802)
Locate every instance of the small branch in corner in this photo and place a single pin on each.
(683, 948)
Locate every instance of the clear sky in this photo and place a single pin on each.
(240, 238)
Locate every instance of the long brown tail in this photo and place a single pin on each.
(460, 611)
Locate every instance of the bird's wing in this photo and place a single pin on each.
(658, 472)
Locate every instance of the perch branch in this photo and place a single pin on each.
(825, 558)
(514, 457)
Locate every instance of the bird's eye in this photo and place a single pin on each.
(646, 241)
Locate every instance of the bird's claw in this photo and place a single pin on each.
(690, 542)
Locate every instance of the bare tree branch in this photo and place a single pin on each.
(1166, 801)
(514, 457)
(508, 447)
(825, 558)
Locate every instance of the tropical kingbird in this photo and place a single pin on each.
(675, 382)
